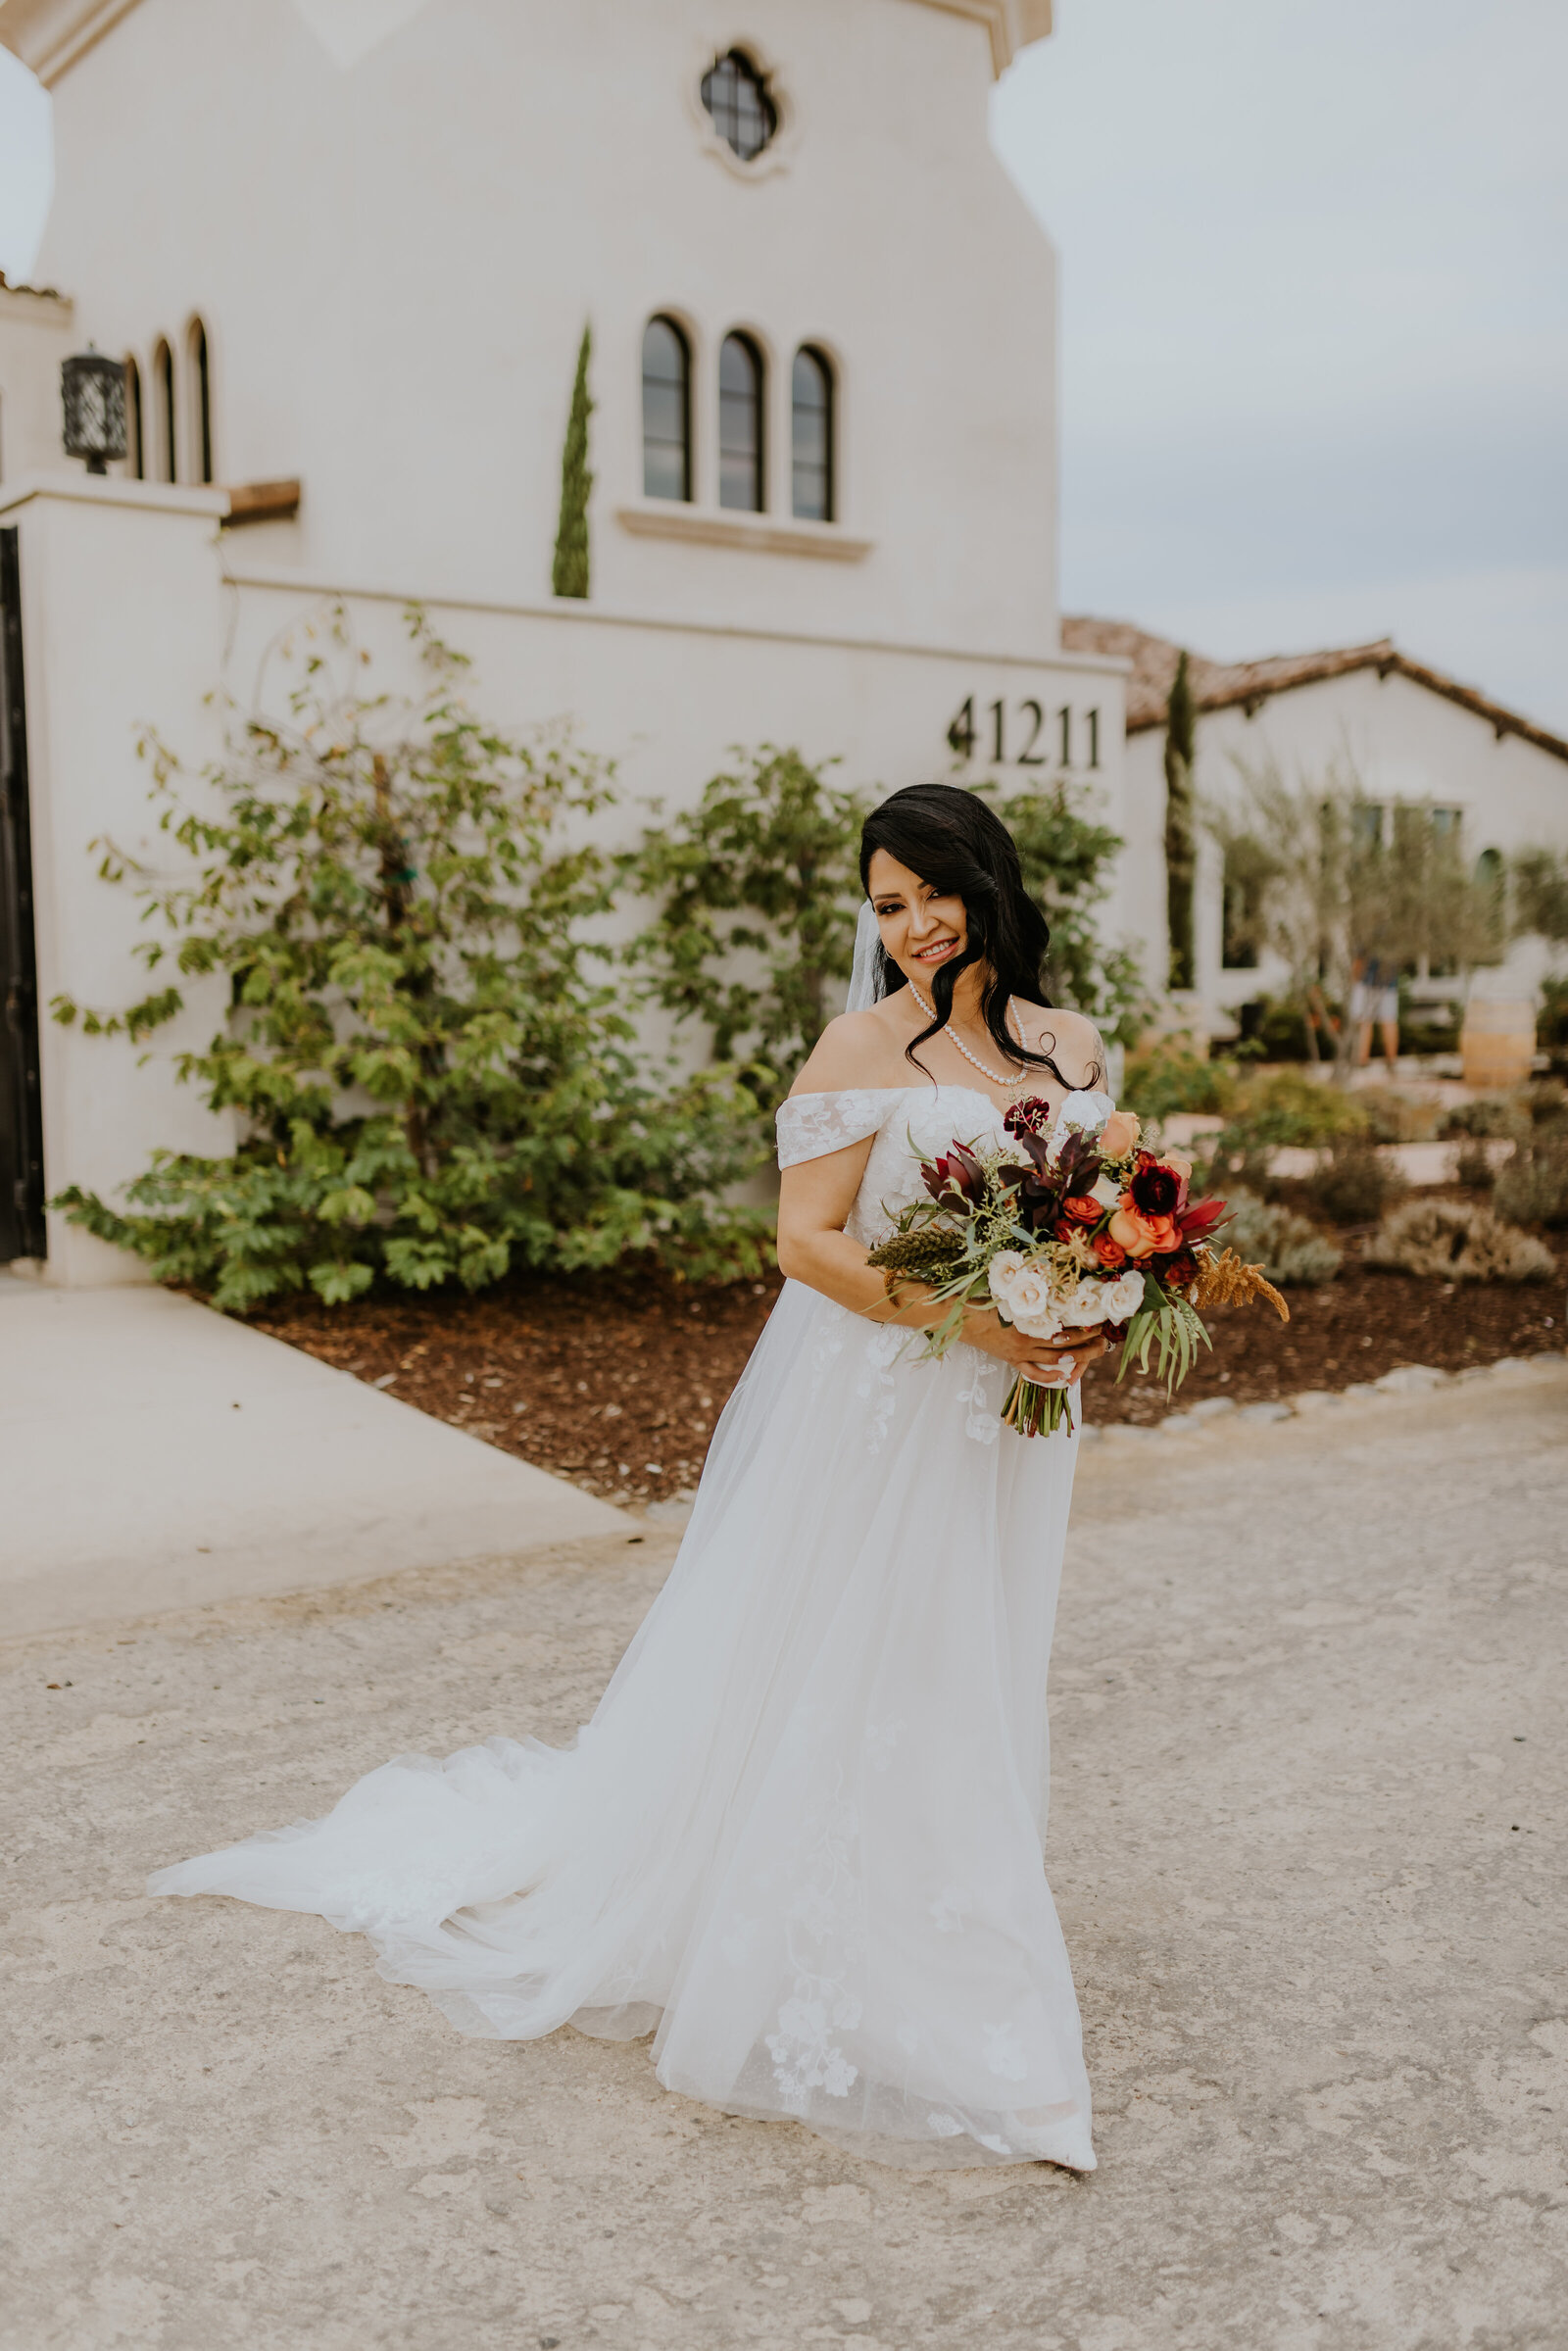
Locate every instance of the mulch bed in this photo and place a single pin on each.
(617, 1383)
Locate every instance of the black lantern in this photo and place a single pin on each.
(92, 389)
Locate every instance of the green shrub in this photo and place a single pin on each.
(1532, 1188)
(1288, 1248)
(1169, 1077)
(1282, 1110)
(1491, 1115)
(1394, 1117)
(1354, 1183)
(1446, 1241)
(435, 1081)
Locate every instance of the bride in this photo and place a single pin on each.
(800, 1841)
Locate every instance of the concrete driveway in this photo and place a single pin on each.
(1307, 1843)
(154, 1454)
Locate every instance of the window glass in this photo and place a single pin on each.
(736, 96)
(201, 397)
(811, 436)
(666, 412)
(135, 460)
(163, 385)
(740, 426)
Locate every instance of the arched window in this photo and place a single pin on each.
(736, 97)
(811, 436)
(164, 449)
(666, 411)
(200, 393)
(135, 462)
(740, 426)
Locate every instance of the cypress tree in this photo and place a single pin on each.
(569, 572)
(1180, 849)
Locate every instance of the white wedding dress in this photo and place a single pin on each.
(800, 1841)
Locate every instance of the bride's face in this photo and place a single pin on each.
(921, 929)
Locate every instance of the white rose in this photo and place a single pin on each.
(1003, 1271)
(1125, 1295)
(1088, 1303)
(1103, 1189)
(1031, 1307)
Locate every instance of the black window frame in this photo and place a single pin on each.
(733, 453)
(739, 105)
(825, 466)
(652, 441)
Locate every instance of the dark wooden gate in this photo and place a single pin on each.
(22, 1227)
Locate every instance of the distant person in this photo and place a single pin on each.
(1374, 1000)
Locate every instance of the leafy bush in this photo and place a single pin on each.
(1282, 1110)
(431, 1080)
(1288, 1248)
(767, 867)
(1169, 1077)
(1354, 1183)
(1532, 1188)
(1446, 1240)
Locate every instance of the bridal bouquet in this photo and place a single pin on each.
(1079, 1227)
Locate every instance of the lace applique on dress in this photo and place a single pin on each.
(805, 2054)
(812, 1125)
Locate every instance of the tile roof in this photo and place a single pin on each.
(1222, 685)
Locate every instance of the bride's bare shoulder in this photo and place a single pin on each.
(1071, 1038)
(857, 1048)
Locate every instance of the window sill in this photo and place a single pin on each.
(763, 535)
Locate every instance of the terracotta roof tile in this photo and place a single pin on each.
(1222, 685)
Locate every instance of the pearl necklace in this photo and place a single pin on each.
(1005, 1078)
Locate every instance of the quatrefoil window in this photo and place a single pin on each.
(736, 96)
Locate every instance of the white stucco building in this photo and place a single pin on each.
(350, 248)
(1408, 732)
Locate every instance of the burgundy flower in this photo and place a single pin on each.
(956, 1171)
(1156, 1188)
(1201, 1218)
(1032, 1117)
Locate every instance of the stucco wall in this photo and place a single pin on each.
(394, 264)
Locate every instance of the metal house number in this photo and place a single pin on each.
(1024, 735)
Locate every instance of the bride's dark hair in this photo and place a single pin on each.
(961, 849)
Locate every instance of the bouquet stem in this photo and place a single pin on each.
(1035, 1411)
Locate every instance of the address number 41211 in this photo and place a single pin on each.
(1023, 737)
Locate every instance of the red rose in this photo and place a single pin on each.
(1063, 1229)
(1081, 1209)
(1109, 1253)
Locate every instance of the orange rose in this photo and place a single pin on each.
(1081, 1209)
(1120, 1135)
(1110, 1252)
(1130, 1231)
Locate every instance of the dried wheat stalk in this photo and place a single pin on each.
(1224, 1281)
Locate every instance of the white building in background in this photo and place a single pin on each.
(1409, 734)
(349, 248)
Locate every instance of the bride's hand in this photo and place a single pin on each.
(1052, 1362)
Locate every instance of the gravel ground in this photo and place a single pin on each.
(1306, 1841)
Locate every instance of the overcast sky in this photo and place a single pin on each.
(1315, 318)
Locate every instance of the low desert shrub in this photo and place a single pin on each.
(1446, 1241)
(1288, 1248)
(1532, 1188)
(1491, 1115)
(1472, 1168)
(1394, 1117)
(1354, 1183)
